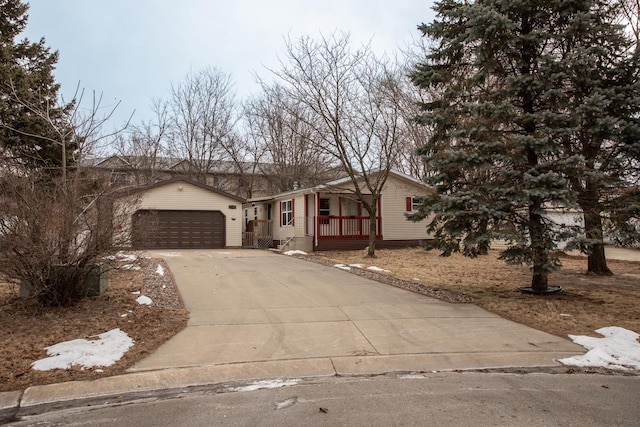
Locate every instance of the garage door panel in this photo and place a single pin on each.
(179, 229)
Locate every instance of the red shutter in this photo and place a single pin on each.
(409, 204)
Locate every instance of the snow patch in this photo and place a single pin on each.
(356, 265)
(411, 377)
(144, 300)
(342, 267)
(619, 349)
(286, 403)
(160, 270)
(295, 253)
(122, 256)
(130, 267)
(378, 269)
(108, 348)
(170, 254)
(266, 384)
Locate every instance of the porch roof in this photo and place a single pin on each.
(331, 187)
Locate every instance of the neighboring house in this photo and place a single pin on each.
(180, 213)
(329, 216)
(243, 179)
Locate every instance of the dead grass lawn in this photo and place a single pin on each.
(588, 302)
(25, 331)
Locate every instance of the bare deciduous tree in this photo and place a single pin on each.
(71, 126)
(414, 133)
(350, 102)
(55, 226)
(146, 143)
(630, 17)
(203, 110)
(277, 124)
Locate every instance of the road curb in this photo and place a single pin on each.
(175, 381)
(138, 385)
(9, 404)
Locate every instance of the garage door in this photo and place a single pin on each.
(173, 229)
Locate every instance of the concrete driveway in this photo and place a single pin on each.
(258, 310)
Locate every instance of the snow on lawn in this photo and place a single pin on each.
(356, 265)
(378, 269)
(160, 270)
(619, 349)
(104, 351)
(144, 300)
(342, 267)
(130, 267)
(295, 253)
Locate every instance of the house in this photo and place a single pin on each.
(240, 178)
(179, 213)
(329, 216)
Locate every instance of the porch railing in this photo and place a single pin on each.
(260, 233)
(345, 227)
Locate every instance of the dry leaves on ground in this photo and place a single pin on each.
(26, 330)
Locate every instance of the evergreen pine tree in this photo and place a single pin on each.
(28, 94)
(601, 126)
(502, 110)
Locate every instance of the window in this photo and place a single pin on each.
(413, 204)
(286, 209)
(325, 207)
(218, 181)
(350, 207)
(324, 210)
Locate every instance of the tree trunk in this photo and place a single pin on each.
(373, 228)
(540, 252)
(596, 261)
(539, 281)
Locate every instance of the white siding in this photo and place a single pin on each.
(395, 225)
(280, 232)
(570, 218)
(184, 196)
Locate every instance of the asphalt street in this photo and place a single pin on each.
(434, 399)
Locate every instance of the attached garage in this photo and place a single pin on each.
(180, 213)
(178, 229)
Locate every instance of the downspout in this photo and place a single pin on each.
(379, 219)
(316, 220)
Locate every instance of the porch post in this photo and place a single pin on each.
(306, 214)
(340, 215)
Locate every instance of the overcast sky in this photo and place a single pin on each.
(133, 50)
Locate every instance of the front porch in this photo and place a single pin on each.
(327, 231)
